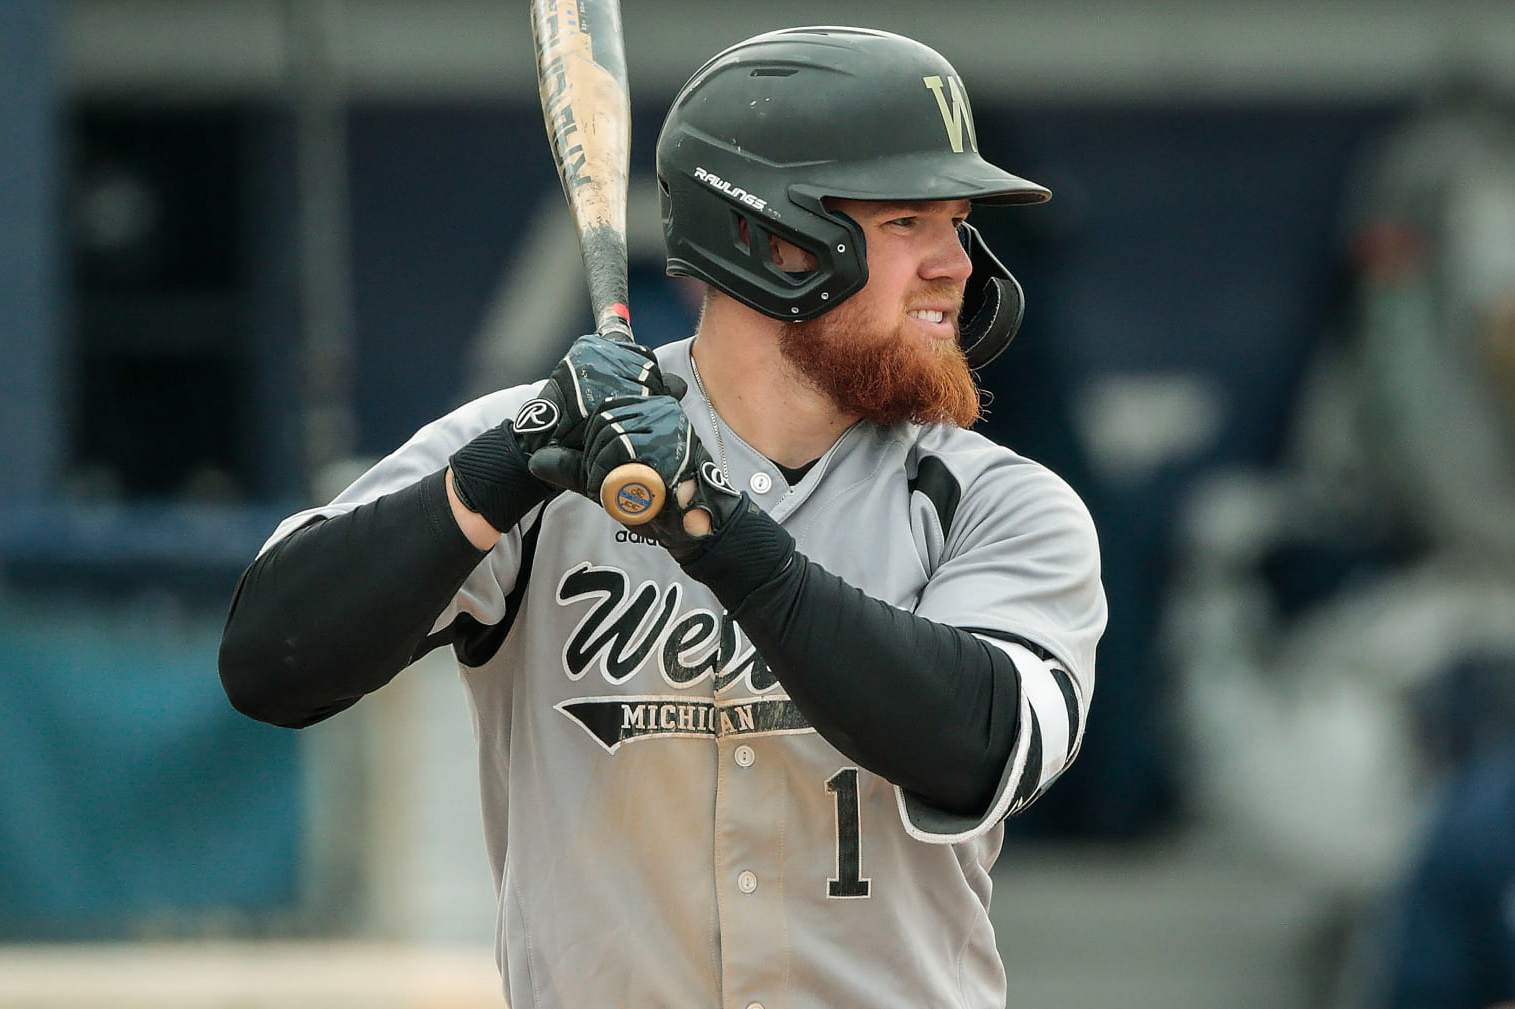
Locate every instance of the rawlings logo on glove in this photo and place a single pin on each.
(654, 431)
(594, 372)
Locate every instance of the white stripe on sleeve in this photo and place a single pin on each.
(1056, 723)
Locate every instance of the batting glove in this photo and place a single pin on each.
(490, 473)
(594, 371)
(654, 431)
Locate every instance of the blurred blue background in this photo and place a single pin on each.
(249, 247)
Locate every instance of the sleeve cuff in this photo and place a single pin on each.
(930, 825)
(749, 554)
(1051, 715)
(441, 527)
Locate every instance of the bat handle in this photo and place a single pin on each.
(615, 323)
(633, 493)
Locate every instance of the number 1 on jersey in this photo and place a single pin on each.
(849, 837)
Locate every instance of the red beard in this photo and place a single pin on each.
(883, 373)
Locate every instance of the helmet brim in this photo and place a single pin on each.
(921, 176)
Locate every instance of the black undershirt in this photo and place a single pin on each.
(929, 707)
(794, 476)
(337, 608)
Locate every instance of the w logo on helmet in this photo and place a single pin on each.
(957, 115)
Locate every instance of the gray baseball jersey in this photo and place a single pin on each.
(664, 827)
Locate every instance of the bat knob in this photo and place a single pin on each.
(633, 493)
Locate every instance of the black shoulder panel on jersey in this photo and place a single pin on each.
(475, 643)
(1015, 639)
(933, 479)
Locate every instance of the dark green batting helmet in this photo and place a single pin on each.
(769, 128)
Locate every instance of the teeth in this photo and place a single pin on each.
(927, 316)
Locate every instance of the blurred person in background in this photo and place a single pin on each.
(1451, 938)
(1323, 607)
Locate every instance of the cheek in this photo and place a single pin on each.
(891, 283)
(864, 304)
(888, 281)
(864, 315)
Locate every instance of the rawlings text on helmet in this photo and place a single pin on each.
(735, 192)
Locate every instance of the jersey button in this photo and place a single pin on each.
(761, 483)
(754, 1005)
(744, 756)
(746, 881)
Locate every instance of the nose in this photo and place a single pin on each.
(948, 260)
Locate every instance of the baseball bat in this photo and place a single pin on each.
(581, 76)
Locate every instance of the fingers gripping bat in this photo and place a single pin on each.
(581, 75)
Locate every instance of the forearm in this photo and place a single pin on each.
(337, 608)
(929, 707)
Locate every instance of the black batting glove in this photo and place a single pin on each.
(594, 371)
(701, 506)
(490, 472)
(491, 478)
(653, 431)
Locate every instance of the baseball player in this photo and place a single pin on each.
(757, 753)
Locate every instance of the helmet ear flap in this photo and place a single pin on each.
(724, 240)
(993, 302)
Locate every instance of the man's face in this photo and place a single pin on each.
(890, 353)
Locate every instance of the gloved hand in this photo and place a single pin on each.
(594, 371)
(490, 473)
(655, 431)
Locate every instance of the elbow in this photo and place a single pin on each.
(251, 688)
(978, 763)
(249, 693)
(972, 792)
(964, 783)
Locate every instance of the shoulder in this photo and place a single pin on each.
(435, 442)
(675, 359)
(426, 452)
(994, 487)
(1019, 556)
(473, 418)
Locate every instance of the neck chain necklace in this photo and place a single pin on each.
(715, 421)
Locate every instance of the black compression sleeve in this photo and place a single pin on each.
(929, 707)
(337, 608)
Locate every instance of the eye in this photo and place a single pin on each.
(901, 222)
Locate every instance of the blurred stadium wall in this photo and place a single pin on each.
(248, 246)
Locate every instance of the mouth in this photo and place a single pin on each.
(938, 322)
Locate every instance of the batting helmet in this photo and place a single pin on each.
(769, 128)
